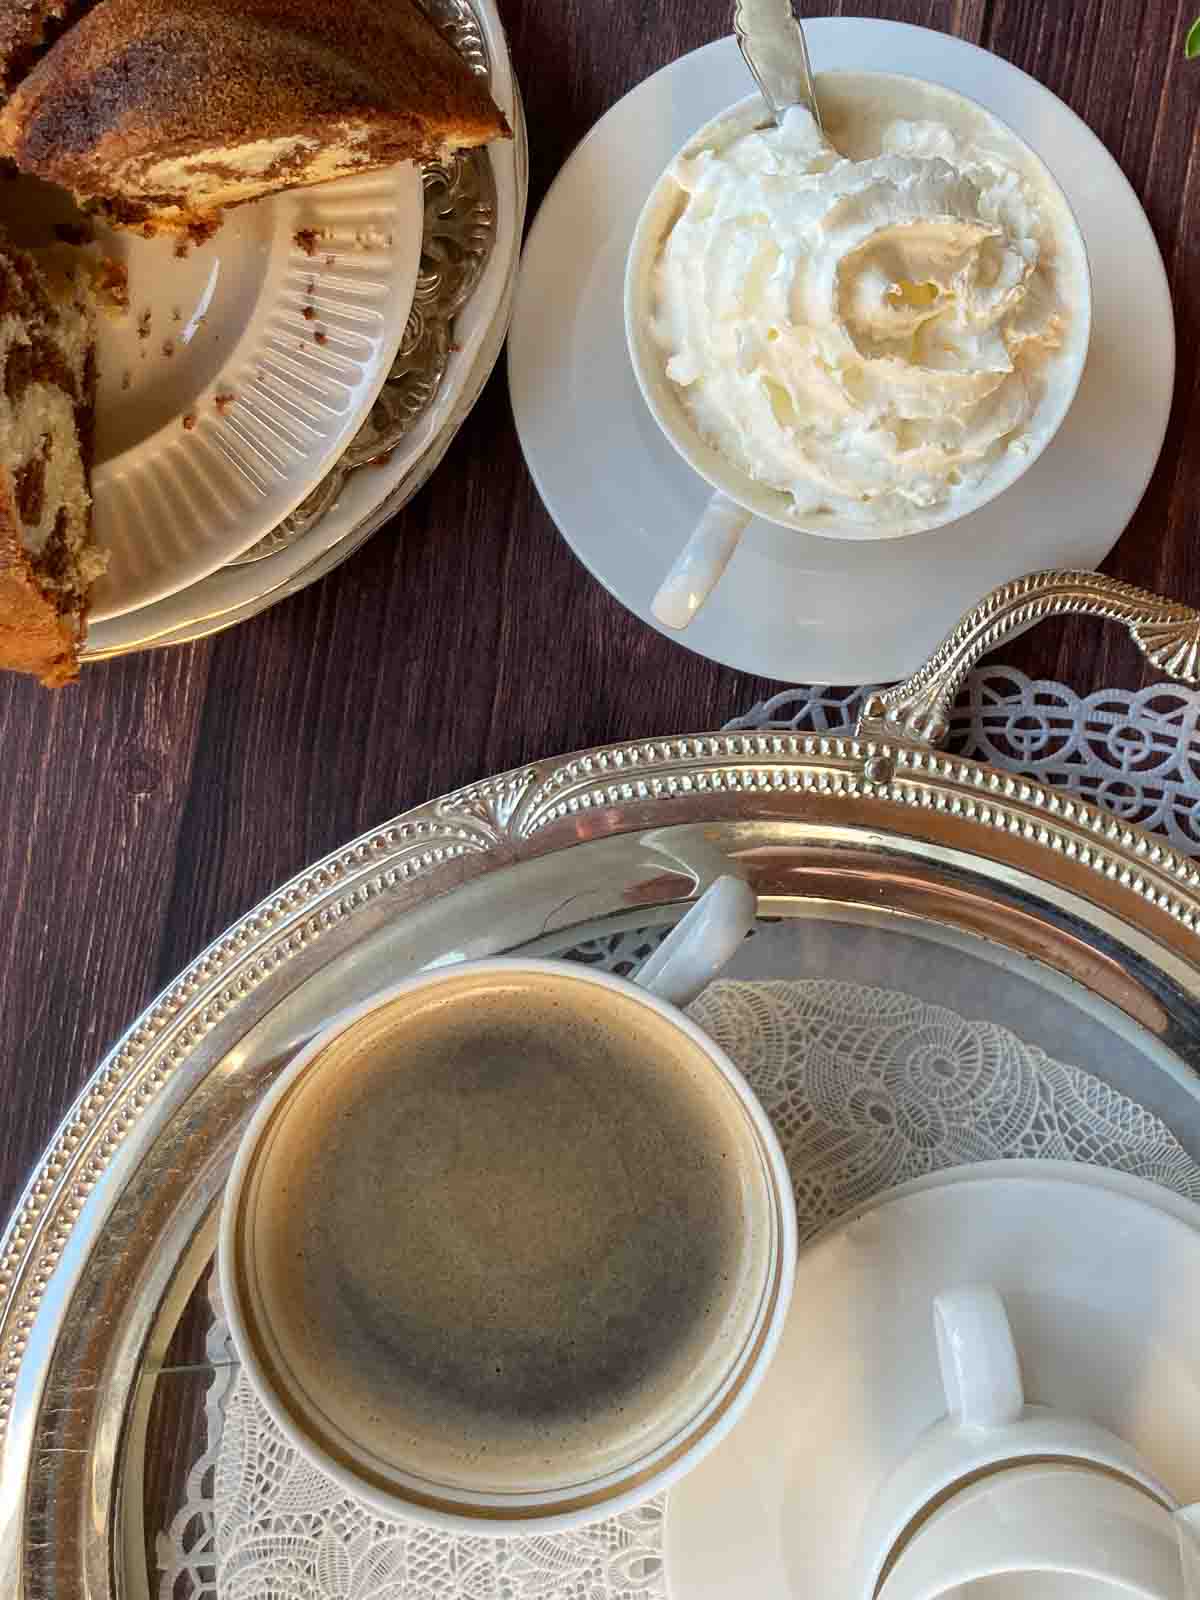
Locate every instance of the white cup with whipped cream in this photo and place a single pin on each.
(863, 333)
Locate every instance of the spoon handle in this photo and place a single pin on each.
(772, 43)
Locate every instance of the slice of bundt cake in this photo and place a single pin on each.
(160, 113)
(47, 559)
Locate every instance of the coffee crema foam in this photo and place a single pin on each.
(514, 1240)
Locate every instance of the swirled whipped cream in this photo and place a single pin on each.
(885, 340)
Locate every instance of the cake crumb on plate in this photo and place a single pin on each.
(112, 283)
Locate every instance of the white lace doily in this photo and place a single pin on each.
(867, 1087)
(1135, 753)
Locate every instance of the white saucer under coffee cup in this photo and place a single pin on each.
(1001, 1499)
(738, 498)
(506, 1238)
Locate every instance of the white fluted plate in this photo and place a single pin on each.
(174, 502)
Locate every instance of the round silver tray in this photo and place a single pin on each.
(474, 218)
(115, 1225)
(881, 835)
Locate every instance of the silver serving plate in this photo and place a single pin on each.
(879, 832)
(474, 217)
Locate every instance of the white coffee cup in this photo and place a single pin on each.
(708, 1397)
(1001, 1498)
(737, 498)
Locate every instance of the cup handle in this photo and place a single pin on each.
(981, 1375)
(701, 942)
(701, 562)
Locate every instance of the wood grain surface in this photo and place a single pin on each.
(148, 807)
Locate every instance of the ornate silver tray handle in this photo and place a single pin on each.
(1166, 632)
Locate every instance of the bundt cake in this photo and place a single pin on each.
(47, 559)
(159, 113)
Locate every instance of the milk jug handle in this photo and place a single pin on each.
(981, 1375)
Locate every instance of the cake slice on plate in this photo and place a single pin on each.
(47, 559)
(160, 113)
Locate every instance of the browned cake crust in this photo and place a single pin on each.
(26, 26)
(35, 636)
(43, 596)
(137, 81)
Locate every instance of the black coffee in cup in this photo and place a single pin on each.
(512, 1241)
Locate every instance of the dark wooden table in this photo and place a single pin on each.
(143, 810)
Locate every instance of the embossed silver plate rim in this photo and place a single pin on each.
(820, 825)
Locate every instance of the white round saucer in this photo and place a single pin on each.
(1102, 1286)
(791, 605)
(1078, 1172)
